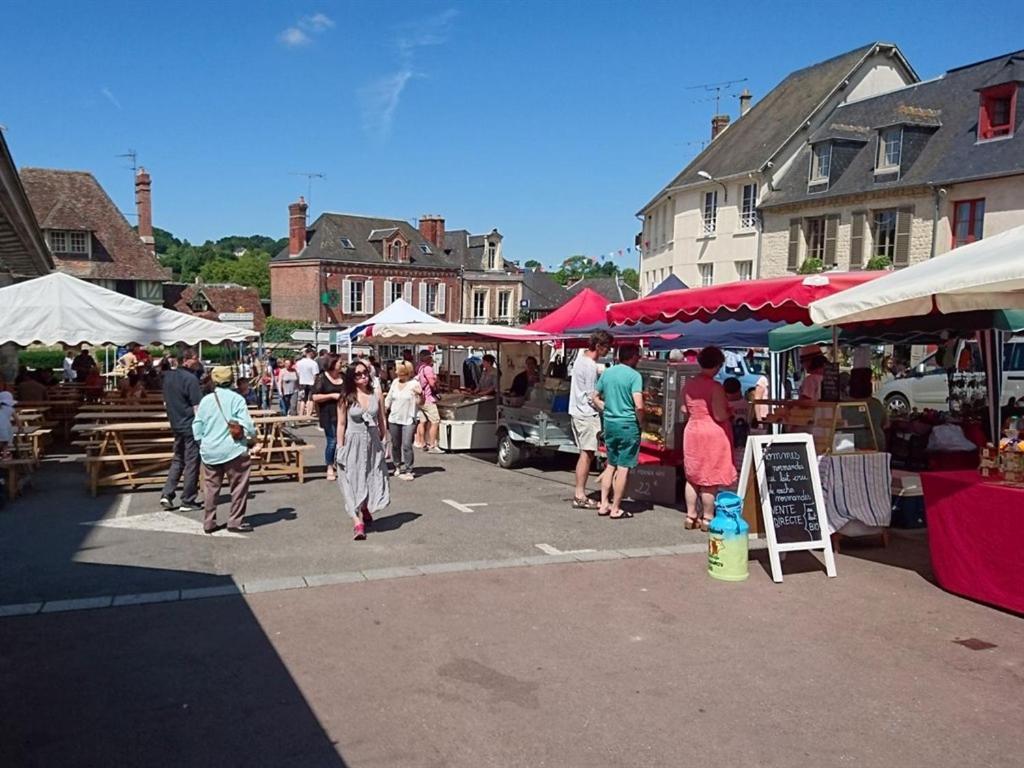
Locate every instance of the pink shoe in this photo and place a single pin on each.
(358, 532)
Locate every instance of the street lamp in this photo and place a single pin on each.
(709, 177)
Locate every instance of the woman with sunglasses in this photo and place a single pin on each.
(362, 467)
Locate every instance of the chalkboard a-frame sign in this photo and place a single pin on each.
(792, 505)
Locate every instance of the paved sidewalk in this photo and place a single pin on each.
(634, 662)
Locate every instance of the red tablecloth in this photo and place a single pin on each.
(976, 537)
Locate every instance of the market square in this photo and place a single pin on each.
(656, 406)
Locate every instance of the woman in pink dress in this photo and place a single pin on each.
(707, 440)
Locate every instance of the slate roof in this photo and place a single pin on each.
(541, 290)
(748, 143)
(612, 288)
(221, 297)
(74, 200)
(940, 142)
(468, 250)
(323, 242)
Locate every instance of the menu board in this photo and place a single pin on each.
(788, 491)
(830, 383)
(794, 509)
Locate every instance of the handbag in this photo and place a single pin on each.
(236, 430)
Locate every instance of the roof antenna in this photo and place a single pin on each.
(133, 156)
(717, 88)
(310, 175)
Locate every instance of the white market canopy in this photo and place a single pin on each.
(987, 274)
(397, 312)
(455, 333)
(61, 309)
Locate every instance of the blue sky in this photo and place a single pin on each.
(552, 121)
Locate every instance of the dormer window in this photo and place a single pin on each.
(997, 111)
(890, 148)
(492, 255)
(821, 162)
(69, 241)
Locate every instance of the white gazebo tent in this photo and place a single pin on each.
(60, 309)
(984, 275)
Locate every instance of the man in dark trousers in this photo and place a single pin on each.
(181, 398)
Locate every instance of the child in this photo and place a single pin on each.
(739, 410)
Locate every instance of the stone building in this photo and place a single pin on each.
(904, 176)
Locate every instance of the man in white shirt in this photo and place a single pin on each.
(307, 369)
(69, 359)
(586, 422)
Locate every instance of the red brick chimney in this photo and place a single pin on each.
(718, 123)
(144, 208)
(432, 229)
(297, 226)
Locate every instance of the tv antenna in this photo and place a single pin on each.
(133, 156)
(717, 89)
(310, 175)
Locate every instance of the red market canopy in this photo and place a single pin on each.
(781, 299)
(585, 308)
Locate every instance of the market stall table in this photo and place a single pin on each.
(138, 453)
(975, 537)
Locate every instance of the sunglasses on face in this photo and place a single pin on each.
(361, 374)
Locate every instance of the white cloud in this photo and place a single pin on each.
(317, 22)
(294, 37)
(109, 96)
(380, 101)
(298, 35)
(426, 32)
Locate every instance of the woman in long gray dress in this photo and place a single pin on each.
(362, 467)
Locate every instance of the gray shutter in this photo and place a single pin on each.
(407, 292)
(857, 240)
(440, 299)
(368, 297)
(346, 297)
(831, 228)
(386, 298)
(793, 262)
(904, 217)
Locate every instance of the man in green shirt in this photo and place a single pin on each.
(620, 399)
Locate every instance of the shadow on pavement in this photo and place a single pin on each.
(424, 471)
(188, 683)
(394, 522)
(269, 518)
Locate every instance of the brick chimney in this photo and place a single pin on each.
(144, 208)
(297, 227)
(718, 123)
(745, 99)
(432, 229)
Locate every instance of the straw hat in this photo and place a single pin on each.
(222, 374)
(810, 350)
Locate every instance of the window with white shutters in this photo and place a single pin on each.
(423, 297)
(407, 292)
(356, 291)
(387, 297)
(368, 298)
(346, 296)
(439, 304)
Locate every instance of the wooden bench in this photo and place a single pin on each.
(16, 471)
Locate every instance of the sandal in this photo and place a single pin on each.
(584, 503)
(691, 523)
(622, 513)
(704, 525)
(358, 532)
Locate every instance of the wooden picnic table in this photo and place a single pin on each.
(94, 416)
(134, 453)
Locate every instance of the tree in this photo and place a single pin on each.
(532, 264)
(631, 278)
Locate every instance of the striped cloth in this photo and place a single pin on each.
(857, 486)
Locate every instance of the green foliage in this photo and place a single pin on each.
(279, 330)
(163, 240)
(217, 262)
(878, 262)
(234, 243)
(811, 266)
(631, 278)
(532, 264)
(41, 357)
(577, 267)
(252, 269)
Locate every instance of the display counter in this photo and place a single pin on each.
(976, 537)
(468, 422)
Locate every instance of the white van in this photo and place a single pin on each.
(926, 385)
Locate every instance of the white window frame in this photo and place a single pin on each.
(887, 161)
(505, 305)
(395, 251)
(492, 255)
(709, 212)
(821, 161)
(356, 297)
(57, 240)
(748, 206)
(888, 247)
(394, 291)
(707, 274)
(480, 304)
(745, 270)
(432, 295)
(82, 246)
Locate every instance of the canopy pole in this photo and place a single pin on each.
(835, 343)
